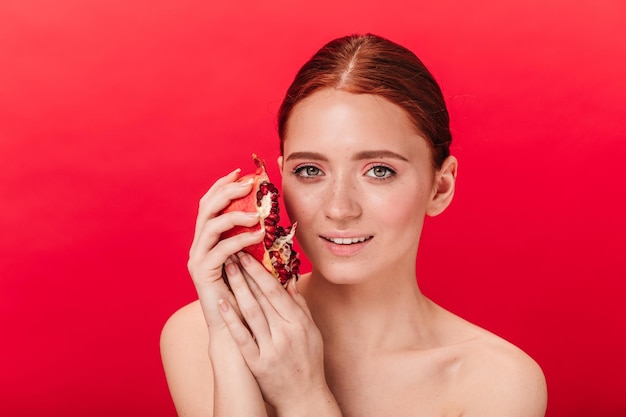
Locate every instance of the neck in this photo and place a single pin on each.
(371, 316)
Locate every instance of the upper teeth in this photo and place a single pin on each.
(346, 240)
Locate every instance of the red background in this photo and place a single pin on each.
(115, 116)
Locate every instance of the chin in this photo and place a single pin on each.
(346, 272)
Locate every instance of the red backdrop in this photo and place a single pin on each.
(115, 116)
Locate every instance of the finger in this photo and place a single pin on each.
(268, 309)
(219, 196)
(211, 234)
(271, 288)
(249, 307)
(292, 289)
(205, 266)
(239, 332)
(218, 184)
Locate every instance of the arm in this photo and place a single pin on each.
(184, 352)
(189, 370)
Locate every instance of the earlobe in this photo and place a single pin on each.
(443, 189)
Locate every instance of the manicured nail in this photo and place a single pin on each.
(231, 267)
(223, 305)
(246, 183)
(244, 258)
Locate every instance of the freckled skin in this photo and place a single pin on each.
(339, 125)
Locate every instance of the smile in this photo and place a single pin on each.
(347, 240)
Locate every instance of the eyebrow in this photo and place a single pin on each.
(307, 155)
(379, 154)
(374, 154)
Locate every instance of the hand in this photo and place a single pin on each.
(208, 253)
(280, 343)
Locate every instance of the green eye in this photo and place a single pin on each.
(380, 172)
(307, 171)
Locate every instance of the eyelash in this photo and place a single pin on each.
(298, 171)
(390, 172)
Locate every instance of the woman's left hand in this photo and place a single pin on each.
(281, 344)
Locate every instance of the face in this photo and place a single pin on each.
(358, 179)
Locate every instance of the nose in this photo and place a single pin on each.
(342, 200)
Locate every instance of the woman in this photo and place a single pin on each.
(365, 157)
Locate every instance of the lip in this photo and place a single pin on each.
(354, 243)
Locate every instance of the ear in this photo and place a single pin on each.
(443, 187)
(279, 161)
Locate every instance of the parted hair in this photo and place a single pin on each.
(370, 64)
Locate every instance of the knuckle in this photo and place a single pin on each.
(261, 371)
(203, 202)
(275, 292)
(271, 359)
(251, 312)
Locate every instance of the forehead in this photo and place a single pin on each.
(337, 120)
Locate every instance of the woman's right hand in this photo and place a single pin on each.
(235, 392)
(208, 253)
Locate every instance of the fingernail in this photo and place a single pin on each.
(231, 267)
(253, 215)
(223, 305)
(246, 183)
(244, 258)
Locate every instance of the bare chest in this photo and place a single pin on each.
(406, 386)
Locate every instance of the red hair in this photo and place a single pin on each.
(369, 64)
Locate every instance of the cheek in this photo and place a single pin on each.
(296, 204)
(401, 210)
(301, 210)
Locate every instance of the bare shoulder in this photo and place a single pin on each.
(185, 356)
(184, 330)
(501, 379)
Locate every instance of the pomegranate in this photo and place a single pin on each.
(276, 251)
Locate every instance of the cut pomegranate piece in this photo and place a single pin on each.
(276, 251)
